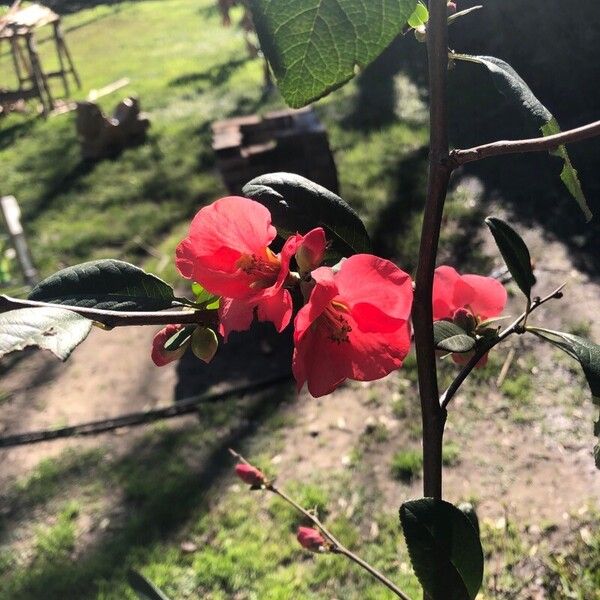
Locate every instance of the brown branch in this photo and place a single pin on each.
(439, 175)
(115, 318)
(336, 546)
(549, 143)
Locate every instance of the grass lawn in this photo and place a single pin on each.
(187, 71)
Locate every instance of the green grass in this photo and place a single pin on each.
(406, 465)
(187, 71)
(450, 454)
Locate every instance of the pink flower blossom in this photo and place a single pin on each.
(160, 356)
(311, 539)
(354, 325)
(464, 298)
(227, 252)
(483, 297)
(249, 474)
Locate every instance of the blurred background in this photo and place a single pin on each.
(76, 513)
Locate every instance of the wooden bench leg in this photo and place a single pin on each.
(40, 80)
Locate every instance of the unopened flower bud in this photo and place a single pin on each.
(204, 343)
(465, 320)
(250, 475)
(311, 539)
(170, 344)
(421, 34)
(310, 254)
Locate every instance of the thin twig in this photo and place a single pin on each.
(336, 546)
(114, 318)
(515, 327)
(505, 367)
(548, 143)
(180, 408)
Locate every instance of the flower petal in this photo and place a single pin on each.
(377, 292)
(364, 279)
(324, 291)
(219, 235)
(490, 296)
(232, 222)
(235, 315)
(370, 356)
(450, 293)
(276, 308)
(316, 362)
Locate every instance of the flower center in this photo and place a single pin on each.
(333, 319)
(262, 269)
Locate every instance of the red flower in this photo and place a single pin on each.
(461, 298)
(354, 326)
(249, 474)
(483, 297)
(227, 252)
(160, 356)
(311, 539)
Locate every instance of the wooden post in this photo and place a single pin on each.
(14, 50)
(39, 78)
(59, 52)
(67, 54)
(12, 218)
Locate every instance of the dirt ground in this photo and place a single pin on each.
(537, 469)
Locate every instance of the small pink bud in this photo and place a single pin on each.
(451, 8)
(311, 251)
(160, 355)
(311, 539)
(250, 475)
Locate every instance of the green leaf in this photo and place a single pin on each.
(515, 253)
(299, 205)
(582, 350)
(55, 329)
(315, 46)
(105, 284)
(179, 339)
(450, 337)
(509, 83)
(588, 355)
(419, 17)
(444, 549)
(144, 589)
(568, 174)
(204, 297)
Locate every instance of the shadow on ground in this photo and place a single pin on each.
(163, 480)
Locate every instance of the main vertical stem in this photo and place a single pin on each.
(433, 416)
